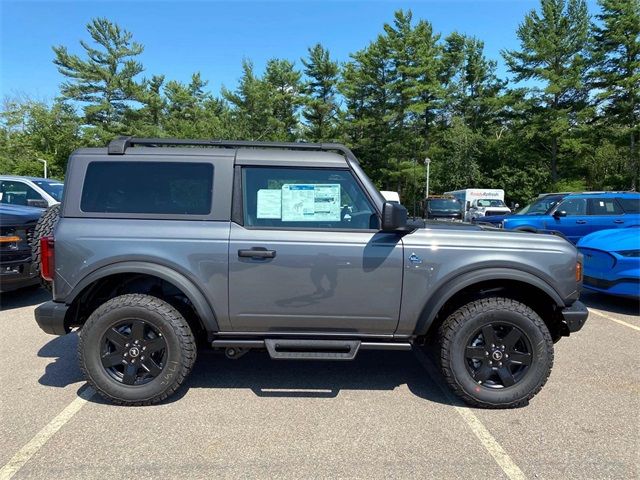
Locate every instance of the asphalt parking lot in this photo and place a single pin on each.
(387, 414)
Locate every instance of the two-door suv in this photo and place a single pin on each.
(162, 245)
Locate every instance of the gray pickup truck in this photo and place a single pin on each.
(163, 246)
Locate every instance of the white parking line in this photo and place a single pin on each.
(42, 437)
(502, 458)
(613, 319)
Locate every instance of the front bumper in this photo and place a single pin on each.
(50, 317)
(17, 274)
(575, 316)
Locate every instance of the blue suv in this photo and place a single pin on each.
(575, 215)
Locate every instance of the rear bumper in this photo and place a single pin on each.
(575, 316)
(50, 317)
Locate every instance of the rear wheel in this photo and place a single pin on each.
(44, 228)
(136, 350)
(496, 352)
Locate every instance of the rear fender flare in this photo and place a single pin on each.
(450, 288)
(192, 292)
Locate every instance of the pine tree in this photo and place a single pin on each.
(105, 81)
(282, 82)
(320, 104)
(553, 53)
(616, 74)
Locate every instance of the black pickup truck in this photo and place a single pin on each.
(17, 224)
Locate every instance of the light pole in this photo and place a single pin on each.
(45, 166)
(427, 162)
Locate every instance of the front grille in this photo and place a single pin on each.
(597, 259)
(488, 213)
(607, 284)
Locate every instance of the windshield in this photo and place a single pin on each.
(444, 204)
(541, 205)
(491, 203)
(52, 187)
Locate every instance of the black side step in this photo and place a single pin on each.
(280, 349)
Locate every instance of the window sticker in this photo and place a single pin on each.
(269, 204)
(311, 202)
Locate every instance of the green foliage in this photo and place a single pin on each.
(569, 120)
(105, 81)
(320, 104)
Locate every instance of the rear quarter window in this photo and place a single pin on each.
(169, 188)
(630, 205)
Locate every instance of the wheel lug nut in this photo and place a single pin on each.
(506, 355)
(142, 358)
(493, 345)
(126, 344)
(486, 354)
(490, 362)
(499, 364)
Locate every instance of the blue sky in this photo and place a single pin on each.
(213, 37)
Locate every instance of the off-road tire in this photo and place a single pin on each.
(44, 228)
(460, 326)
(181, 349)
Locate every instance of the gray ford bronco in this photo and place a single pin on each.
(164, 246)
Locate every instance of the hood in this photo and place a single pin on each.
(18, 215)
(613, 240)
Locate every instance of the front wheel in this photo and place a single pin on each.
(136, 350)
(495, 352)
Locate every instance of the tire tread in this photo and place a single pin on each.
(179, 325)
(464, 313)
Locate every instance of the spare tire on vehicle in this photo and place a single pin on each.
(44, 228)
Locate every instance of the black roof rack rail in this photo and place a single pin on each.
(119, 145)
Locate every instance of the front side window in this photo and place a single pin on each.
(604, 206)
(630, 205)
(19, 193)
(305, 198)
(574, 206)
(166, 188)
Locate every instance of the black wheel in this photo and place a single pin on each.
(495, 353)
(44, 228)
(136, 350)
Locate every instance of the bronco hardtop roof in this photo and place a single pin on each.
(120, 145)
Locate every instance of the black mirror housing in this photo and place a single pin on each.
(559, 214)
(394, 217)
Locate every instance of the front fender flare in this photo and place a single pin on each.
(192, 292)
(452, 286)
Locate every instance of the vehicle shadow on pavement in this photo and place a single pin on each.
(608, 303)
(371, 370)
(23, 297)
(63, 370)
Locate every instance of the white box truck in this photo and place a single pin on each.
(481, 202)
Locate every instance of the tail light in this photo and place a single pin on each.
(47, 258)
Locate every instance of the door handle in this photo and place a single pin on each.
(618, 221)
(581, 222)
(257, 252)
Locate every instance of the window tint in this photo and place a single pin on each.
(305, 198)
(148, 187)
(574, 206)
(630, 205)
(19, 193)
(603, 206)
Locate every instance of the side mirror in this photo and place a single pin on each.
(394, 217)
(559, 214)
